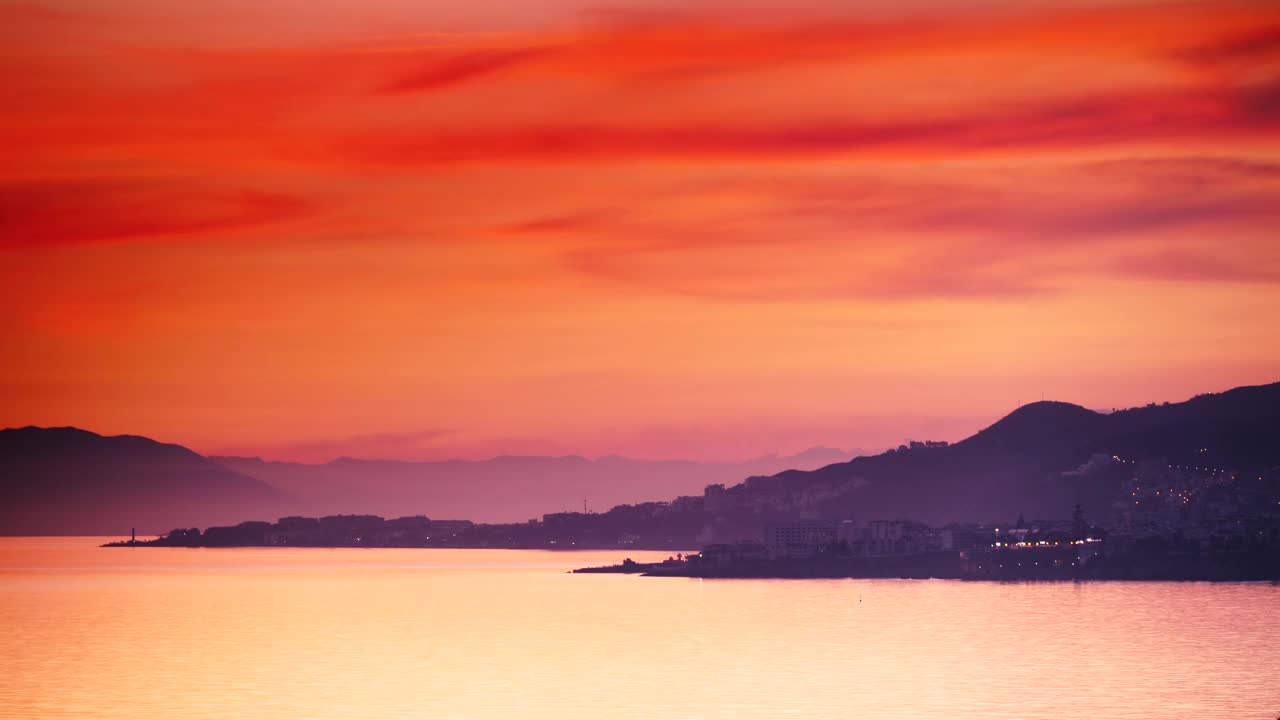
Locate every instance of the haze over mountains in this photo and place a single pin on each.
(505, 488)
(71, 481)
(1039, 461)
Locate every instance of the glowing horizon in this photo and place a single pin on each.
(428, 231)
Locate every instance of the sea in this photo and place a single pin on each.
(356, 634)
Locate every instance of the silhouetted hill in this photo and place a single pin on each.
(71, 481)
(506, 488)
(1041, 428)
(1029, 462)
(1039, 461)
(1238, 428)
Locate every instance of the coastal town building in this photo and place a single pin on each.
(798, 538)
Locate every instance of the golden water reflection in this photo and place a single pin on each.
(292, 633)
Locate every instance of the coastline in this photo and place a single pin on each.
(1256, 568)
(922, 566)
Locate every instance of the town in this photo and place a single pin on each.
(1168, 522)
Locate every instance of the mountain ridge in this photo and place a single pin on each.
(66, 479)
(1028, 461)
(528, 486)
(1007, 468)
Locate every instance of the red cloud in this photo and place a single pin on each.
(1253, 45)
(1224, 114)
(71, 212)
(455, 68)
(1014, 231)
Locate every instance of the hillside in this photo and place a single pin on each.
(1028, 462)
(71, 481)
(1039, 461)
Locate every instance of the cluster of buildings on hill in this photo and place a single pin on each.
(903, 549)
(900, 548)
(879, 537)
(1197, 502)
(1170, 522)
(1167, 521)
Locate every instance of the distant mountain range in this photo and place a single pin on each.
(1038, 461)
(506, 488)
(71, 481)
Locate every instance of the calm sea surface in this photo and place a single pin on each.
(351, 634)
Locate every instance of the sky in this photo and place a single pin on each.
(714, 230)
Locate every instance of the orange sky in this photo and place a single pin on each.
(456, 229)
